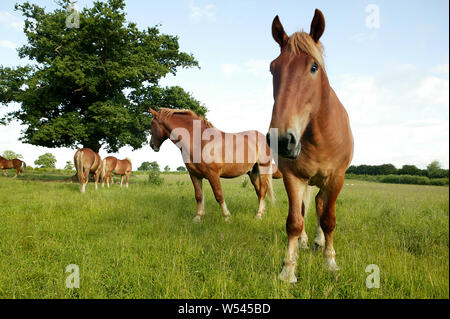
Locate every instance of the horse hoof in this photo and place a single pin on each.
(197, 219)
(303, 244)
(228, 219)
(259, 216)
(317, 246)
(287, 275)
(330, 264)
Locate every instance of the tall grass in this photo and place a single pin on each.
(141, 242)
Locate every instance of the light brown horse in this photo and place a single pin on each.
(13, 163)
(116, 166)
(210, 153)
(87, 161)
(314, 139)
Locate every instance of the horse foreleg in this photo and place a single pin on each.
(294, 225)
(214, 181)
(198, 188)
(121, 180)
(4, 172)
(128, 178)
(328, 222)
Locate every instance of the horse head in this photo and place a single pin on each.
(299, 84)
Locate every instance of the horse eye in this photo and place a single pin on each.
(314, 68)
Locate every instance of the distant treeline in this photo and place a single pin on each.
(408, 174)
(432, 171)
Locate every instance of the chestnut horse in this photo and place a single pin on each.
(116, 166)
(87, 161)
(314, 139)
(210, 153)
(14, 163)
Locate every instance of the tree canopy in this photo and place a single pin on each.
(91, 85)
(9, 155)
(47, 160)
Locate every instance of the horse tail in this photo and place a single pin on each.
(307, 197)
(24, 165)
(79, 166)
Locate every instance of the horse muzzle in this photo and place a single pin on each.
(289, 145)
(152, 145)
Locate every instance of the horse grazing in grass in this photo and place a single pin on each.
(314, 139)
(210, 153)
(87, 161)
(116, 166)
(13, 163)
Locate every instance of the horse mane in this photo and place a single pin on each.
(166, 113)
(303, 42)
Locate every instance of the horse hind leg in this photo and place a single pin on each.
(303, 241)
(4, 172)
(319, 241)
(260, 184)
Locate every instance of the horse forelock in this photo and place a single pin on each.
(303, 42)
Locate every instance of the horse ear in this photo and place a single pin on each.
(317, 25)
(154, 113)
(278, 32)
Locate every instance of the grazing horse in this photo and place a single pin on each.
(87, 161)
(14, 163)
(210, 153)
(117, 167)
(314, 139)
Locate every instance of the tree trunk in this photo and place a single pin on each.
(93, 145)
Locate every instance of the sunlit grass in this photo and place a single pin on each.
(141, 242)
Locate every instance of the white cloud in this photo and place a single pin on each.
(7, 44)
(198, 13)
(11, 21)
(441, 69)
(258, 67)
(229, 69)
(400, 117)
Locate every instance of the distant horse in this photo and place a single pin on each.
(213, 154)
(87, 161)
(13, 163)
(117, 167)
(315, 143)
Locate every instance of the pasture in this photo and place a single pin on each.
(141, 242)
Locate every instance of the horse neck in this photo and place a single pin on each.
(186, 122)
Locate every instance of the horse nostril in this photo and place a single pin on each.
(268, 138)
(292, 141)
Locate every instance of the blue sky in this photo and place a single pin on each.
(392, 79)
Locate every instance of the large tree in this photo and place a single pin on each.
(91, 85)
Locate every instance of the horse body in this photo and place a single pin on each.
(87, 162)
(315, 143)
(215, 154)
(13, 163)
(118, 167)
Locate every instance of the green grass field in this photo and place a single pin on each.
(141, 242)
